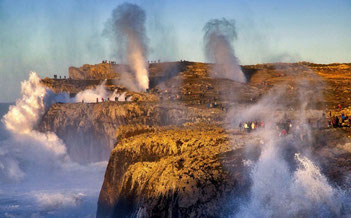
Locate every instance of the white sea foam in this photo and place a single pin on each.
(278, 192)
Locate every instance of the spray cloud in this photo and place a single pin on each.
(218, 49)
(40, 161)
(99, 92)
(21, 122)
(286, 182)
(128, 25)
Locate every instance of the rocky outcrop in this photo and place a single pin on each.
(69, 85)
(94, 72)
(199, 171)
(173, 172)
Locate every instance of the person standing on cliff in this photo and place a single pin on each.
(253, 126)
(262, 124)
(336, 121)
(246, 127)
(283, 133)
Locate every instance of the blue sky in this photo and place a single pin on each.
(48, 36)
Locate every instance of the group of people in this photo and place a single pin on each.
(154, 62)
(108, 99)
(251, 125)
(299, 129)
(283, 128)
(339, 121)
(108, 62)
(60, 77)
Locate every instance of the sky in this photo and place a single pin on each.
(48, 36)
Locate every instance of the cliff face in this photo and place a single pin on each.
(175, 173)
(68, 85)
(89, 129)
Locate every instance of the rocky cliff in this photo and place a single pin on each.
(175, 172)
(200, 171)
(169, 154)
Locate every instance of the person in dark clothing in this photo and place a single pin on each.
(287, 126)
(334, 122)
(337, 121)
